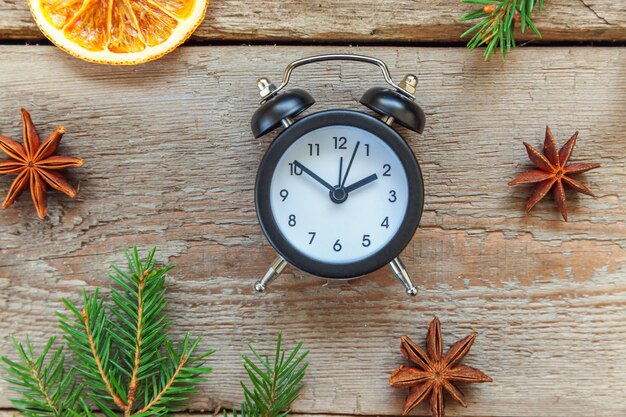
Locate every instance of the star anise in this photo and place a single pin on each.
(35, 165)
(553, 172)
(433, 372)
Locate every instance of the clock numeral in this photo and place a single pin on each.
(366, 241)
(292, 220)
(337, 246)
(314, 148)
(312, 237)
(294, 170)
(284, 194)
(387, 168)
(340, 142)
(367, 149)
(392, 196)
(385, 223)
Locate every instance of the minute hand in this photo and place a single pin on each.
(356, 148)
(313, 175)
(361, 183)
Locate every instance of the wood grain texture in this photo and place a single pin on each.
(170, 161)
(363, 21)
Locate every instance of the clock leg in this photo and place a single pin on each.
(274, 270)
(398, 268)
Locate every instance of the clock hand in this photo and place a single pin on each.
(313, 175)
(340, 171)
(361, 183)
(349, 165)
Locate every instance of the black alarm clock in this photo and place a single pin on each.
(339, 193)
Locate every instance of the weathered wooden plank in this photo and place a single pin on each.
(363, 21)
(170, 162)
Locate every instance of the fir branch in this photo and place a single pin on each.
(46, 388)
(88, 336)
(275, 384)
(134, 383)
(96, 357)
(170, 382)
(122, 353)
(496, 25)
(139, 310)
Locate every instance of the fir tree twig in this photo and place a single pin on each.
(46, 388)
(96, 357)
(122, 353)
(134, 382)
(496, 25)
(276, 384)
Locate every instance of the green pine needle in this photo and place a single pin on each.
(122, 353)
(276, 383)
(496, 28)
(46, 388)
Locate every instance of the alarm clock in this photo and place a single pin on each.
(339, 193)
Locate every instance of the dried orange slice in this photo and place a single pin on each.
(118, 32)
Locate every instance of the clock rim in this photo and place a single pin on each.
(378, 259)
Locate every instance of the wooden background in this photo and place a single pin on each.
(170, 161)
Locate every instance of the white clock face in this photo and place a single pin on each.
(339, 194)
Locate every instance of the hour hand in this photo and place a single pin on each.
(313, 175)
(361, 183)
